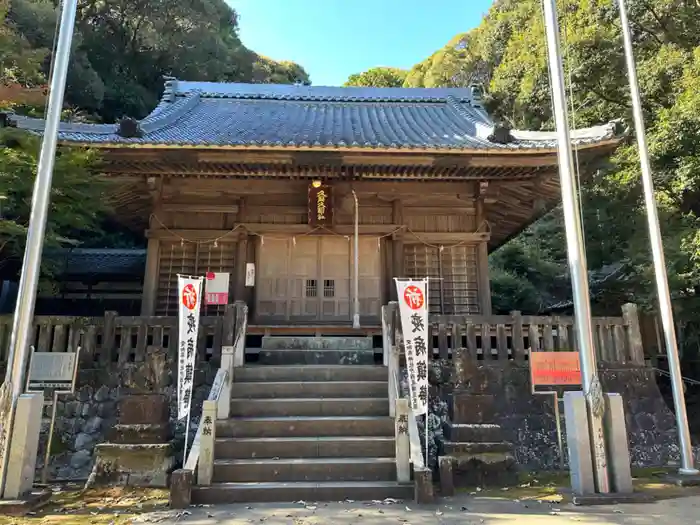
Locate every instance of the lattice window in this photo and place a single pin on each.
(423, 261)
(192, 259)
(311, 288)
(452, 273)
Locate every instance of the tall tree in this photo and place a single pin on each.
(123, 50)
(506, 54)
(378, 77)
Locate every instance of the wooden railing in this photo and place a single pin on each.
(125, 339)
(512, 337)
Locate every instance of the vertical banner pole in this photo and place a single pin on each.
(190, 302)
(427, 401)
(413, 311)
(187, 436)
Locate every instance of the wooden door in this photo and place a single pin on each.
(370, 279)
(272, 280)
(304, 280)
(335, 279)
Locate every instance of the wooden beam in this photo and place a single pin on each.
(199, 208)
(300, 229)
(445, 238)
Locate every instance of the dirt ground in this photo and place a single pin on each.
(540, 498)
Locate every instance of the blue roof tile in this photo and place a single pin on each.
(226, 114)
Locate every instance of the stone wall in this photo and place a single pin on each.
(85, 418)
(528, 420)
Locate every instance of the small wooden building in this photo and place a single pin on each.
(236, 177)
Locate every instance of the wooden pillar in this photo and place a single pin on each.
(249, 292)
(397, 256)
(241, 260)
(482, 260)
(150, 278)
(484, 287)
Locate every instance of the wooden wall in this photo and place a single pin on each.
(423, 228)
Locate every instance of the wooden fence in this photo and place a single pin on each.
(123, 339)
(512, 337)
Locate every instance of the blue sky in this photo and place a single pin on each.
(334, 38)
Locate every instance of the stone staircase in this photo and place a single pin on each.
(310, 421)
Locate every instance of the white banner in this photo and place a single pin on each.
(189, 290)
(413, 307)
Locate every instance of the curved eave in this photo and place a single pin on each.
(604, 144)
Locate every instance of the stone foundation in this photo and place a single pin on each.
(132, 465)
(88, 418)
(527, 421)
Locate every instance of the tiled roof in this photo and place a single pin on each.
(97, 261)
(268, 115)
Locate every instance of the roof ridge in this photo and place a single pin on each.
(482, 129)
(293, 92)
(168, 113)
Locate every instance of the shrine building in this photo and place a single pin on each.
(262, 182)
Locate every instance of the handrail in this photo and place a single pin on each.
(416, 455)
(209, 406)
(218, 403)
(390, 357)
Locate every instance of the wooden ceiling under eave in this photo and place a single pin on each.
(522, 184)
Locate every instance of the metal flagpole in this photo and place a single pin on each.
(26, 297)
(576, 252)
(356, 264)
(657, 251)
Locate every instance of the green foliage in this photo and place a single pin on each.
(77, 202)
(506, 54)
(378, 77)
(122, 51)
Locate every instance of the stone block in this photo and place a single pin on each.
(494, 469)
(181, 489)
(473, 408)
(143, 409)
(616, 444)
(131, 465)
(23, 447)
(578, 441)
(423, 486)
(140, 434)
(447, 482)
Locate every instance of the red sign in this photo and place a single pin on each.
(555, 368)
(414, 297)
(189, 297)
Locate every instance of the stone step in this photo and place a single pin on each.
(316, 343)
(456, 449)
(311, 407)
(305, 427)
(304, 469)
(296, 491)
(308, 356)
(318, 389)
(305, 447)
(266, 373)
(476, 433)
